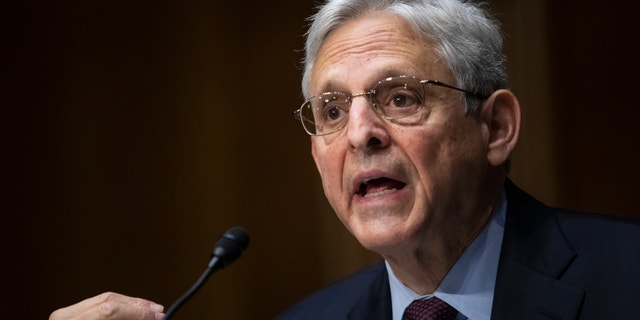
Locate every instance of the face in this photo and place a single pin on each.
(396, 185)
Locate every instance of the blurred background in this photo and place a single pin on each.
(139, 132)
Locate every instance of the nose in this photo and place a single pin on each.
(365, 129)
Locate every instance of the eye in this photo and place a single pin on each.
(333, 108)
(402, 97)
(401, 101)
(332, 113)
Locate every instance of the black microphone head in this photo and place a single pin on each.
(230, 246)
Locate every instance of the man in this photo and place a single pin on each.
(413, 155)
(412, 129)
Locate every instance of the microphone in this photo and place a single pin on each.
(227, 250)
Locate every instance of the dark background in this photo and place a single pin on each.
(137, 133)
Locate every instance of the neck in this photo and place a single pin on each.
(423, 266)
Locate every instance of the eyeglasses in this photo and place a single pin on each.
(393, 98)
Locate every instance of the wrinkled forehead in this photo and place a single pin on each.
(370, 48)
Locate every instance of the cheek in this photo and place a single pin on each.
(424, 148)
(459, 154)
(329, 164)
(442, 153)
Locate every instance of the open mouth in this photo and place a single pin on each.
(378, 187)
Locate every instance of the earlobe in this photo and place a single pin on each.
(502, 117)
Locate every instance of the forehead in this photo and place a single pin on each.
(369, 48)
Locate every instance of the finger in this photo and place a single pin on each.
(110, 306)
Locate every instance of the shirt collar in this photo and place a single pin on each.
(470, 283)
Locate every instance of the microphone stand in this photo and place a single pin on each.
(194, 288)
(226, 251)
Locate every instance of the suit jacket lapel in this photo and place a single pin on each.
(534, 255)
(375, 303)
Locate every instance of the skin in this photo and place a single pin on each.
(110, 306)
(444, 166)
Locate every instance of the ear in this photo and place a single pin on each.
(501, 115)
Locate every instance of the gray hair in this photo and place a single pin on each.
(466, 37)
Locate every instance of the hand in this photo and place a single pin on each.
(110, 306)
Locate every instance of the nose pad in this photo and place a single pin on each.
(366, 95)
(362, 108)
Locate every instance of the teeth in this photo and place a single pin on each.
(365, 191)
(380, 193)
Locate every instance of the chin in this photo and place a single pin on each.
(379, 239)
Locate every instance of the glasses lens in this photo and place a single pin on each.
(325, 113)
(398, 97)
(306, 117)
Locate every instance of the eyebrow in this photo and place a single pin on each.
(332, 86)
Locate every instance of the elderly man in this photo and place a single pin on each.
(412, 129)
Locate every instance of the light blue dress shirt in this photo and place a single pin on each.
(470, 283)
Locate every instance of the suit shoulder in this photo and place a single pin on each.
(526, 210)
(607, 232)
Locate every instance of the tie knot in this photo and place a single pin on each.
(429, 309)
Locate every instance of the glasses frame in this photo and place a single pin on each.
(297, 114)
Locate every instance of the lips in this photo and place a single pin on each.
(378, 187)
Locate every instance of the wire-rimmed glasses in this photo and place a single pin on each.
(393, 98)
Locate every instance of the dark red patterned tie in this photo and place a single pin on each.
(429, 309)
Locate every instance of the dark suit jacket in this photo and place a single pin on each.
(554, 264)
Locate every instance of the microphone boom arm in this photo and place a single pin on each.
(227, 250)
